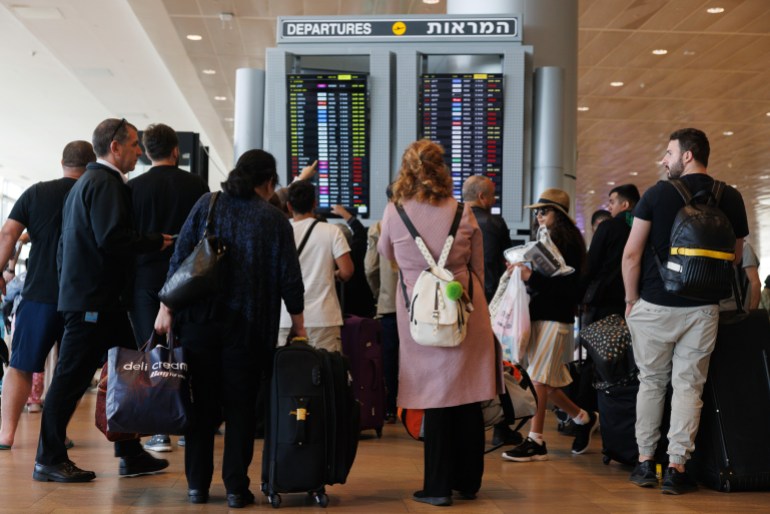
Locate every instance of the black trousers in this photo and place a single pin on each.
(390, 360)
(454, 450)
(143, 313)
(226, 359)
(81, 351)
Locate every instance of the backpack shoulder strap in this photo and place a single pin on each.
(306, 236)
(682, 189)
(716, 190)
(409, 226)
(421, 243)
(424, 250)
(450, 239)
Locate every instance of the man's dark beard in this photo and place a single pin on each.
(676, 170)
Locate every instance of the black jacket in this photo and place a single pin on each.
(161, 200)
(603, 275)
(557, 298)
(98, 243)
(497, 239)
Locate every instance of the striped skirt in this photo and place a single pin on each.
(551, 347)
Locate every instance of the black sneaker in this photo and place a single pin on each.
(527, 451)
(644, 474)
(142, 464)
(677, 482)
(583, 433)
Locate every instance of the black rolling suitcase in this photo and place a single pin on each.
(617, 417)
(732, 452)
(312, 430)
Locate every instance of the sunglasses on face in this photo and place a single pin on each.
(542, 211)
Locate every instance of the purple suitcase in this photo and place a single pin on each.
(361, 343)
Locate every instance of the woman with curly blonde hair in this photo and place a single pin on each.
(448, 383)
(423, 175)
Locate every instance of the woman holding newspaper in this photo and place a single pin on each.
(554, 300)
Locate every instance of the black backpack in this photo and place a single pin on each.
(700, 260)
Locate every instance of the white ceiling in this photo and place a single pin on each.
(68, 64)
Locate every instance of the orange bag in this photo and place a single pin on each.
(413, 422)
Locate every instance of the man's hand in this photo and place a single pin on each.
(341, 212)
(308, 172)
(164, 320)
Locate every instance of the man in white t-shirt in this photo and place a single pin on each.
(324, 257)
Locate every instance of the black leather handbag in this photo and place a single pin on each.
(198, 275)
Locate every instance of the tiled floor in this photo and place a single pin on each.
(385, 474)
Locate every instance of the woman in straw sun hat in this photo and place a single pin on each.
(552, 308)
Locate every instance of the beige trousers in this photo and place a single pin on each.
(671, 344)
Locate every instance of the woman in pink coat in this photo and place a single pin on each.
(448, 383)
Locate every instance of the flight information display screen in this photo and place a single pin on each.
(328, 121)
(464, 113)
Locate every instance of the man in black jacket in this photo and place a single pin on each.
(96, 250)
(162, 199)
(479, 193)
(605, 292)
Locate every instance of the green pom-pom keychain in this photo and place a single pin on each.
(454, 290)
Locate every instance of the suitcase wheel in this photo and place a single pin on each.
(320, 498)
(379, 432)
(275, 500)
(606, 460)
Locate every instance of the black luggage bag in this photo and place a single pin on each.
(362, 345)
(732, 452)
(617, 418)
(312, 430)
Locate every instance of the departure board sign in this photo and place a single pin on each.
(464, 113)
(328, 120)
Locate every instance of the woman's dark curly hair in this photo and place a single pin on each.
(253, 169)
(423, 174)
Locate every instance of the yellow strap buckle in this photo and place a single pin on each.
(301, 414)
(701, 252)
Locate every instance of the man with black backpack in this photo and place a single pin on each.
(674, 266)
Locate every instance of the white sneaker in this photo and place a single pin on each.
(158, 443)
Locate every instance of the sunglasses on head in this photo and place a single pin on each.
(542, 211)
(115, 132)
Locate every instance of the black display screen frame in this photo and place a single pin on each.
(349, 187)
(442, 110)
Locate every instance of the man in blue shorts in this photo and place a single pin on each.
(38, 325)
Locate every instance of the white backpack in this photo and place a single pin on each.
(434, 318)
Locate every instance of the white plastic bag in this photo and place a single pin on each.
(511, 322)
